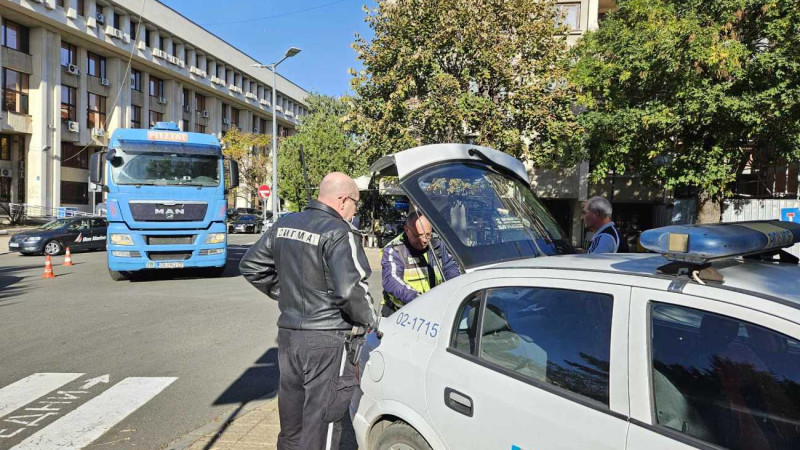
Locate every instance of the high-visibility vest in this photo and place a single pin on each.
(415, 270)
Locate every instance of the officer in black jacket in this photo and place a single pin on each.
(312, 262)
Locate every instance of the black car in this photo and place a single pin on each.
(246, 223)
(52, 238)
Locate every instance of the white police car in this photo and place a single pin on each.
(582, 351)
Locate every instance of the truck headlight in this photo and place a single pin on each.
(121, 239)
(215, 238)
(33, 239)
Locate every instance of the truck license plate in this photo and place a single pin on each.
(170, 265)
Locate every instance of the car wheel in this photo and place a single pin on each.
(401, 436)
(118, 276)
(53, 248)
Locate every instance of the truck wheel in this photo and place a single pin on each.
(401, 436)
(53, 248)
(215, 271)
(118, 276)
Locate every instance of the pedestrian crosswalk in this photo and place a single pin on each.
(42, 407)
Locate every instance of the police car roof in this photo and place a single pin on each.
(778, 281)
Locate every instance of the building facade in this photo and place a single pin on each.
(75, 70)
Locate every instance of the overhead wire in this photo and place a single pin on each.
(256, 19)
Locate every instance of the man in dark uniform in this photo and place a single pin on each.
(312, 262)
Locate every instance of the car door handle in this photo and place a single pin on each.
(458, 402)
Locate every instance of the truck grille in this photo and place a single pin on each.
(169, 256)
(170, 240)
(160, 212)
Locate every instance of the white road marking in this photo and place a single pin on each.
(91, 420)
(18, 394)
(92, 381)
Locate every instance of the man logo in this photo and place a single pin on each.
(169, 213)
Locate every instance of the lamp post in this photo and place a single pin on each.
(273, 67)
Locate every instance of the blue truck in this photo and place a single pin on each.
(165, 201)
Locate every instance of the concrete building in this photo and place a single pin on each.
(75, 70)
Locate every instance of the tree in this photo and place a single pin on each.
(462, 70)
(681, 92)
(250, 151)
(326, 145)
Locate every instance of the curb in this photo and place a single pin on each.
(190, 438)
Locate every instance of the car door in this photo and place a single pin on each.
(532, 364)
(99, 227)
(78, 234)
(711, 374)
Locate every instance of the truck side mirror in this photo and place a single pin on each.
(96, 168)
(234, 171)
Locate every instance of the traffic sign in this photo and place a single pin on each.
(263, 191)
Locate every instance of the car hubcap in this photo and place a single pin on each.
(401, 447)
(51, 248)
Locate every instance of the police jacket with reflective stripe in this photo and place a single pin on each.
(312, 262)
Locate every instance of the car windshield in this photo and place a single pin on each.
(485, 216)
(54, 225)
(166, 169)
(247, 218)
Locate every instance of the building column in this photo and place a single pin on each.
(191, 59)
(174, 111)
(91, 13)
(167, 44)
(72, 9)
(180, 50)
(155, 40)
(82, 92)
(212, 67)
(201, 63)
(594, 12)
(116, 74)
(229, 76)
(193, 114)
(125, 23)
(43, 165)
(140, 42)
(108, 13)
(146, 100)
(214, 105)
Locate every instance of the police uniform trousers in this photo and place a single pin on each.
(313, 397)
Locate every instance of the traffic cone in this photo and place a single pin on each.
(67, 259)
(48, 268)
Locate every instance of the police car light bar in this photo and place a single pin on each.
(698, 244)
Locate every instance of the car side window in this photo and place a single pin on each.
(728, 382)
(557, 337)
(99, 223)
(79, 225)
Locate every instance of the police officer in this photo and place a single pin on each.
(597, 217)
(312, 262)
(409, 264)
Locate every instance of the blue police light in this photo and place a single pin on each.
(702, 243)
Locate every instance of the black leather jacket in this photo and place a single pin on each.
(312, 262)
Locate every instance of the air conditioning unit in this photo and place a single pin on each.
(171, 59)
(264, 101)
(181, 63)
(225, 121)
(117, 33)
(187, 108)
(73, 69)
(126, 38)
(104, 81)
(98, 132)
(251, 96)
(5, 172)
(109, 30)
(100, 18)
(162, 100)
(73, 126)
(205, 114)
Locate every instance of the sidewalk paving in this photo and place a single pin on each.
(258, 427)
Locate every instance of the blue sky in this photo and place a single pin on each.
(323, 29)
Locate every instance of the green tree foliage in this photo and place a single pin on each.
(457, 70)
(682, 91)
(250, 151)
(327, 147)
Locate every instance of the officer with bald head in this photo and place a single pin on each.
(313, 264)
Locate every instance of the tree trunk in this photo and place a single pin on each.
(709, 208)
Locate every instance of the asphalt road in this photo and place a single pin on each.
(179, 351)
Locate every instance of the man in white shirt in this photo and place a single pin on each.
(597, 217)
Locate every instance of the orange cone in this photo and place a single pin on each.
(67, 259)
(48, 268)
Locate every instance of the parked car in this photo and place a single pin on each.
(247, 223)
(52, 238)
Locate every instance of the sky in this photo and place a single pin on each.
(264, 29)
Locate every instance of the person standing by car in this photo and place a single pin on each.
(312, 262)
(597, 217)
(410, 264)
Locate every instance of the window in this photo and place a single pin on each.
(569, 16)
(81, 7)
(74, 156)
(136, 80)
(185, 97)
(69, 54)
(199, 102)
(724, 381)
(99, 223)
(155, 116)
(175, 49)
(162, 44)
(264, 126)
(554, 337)
(200, 128)
(14, 36)
(117, 21)
(74, 193)
(147, 37)
(15, 91)
(156, 87)
(136, 116)
(69, 103)
(5, 148)
(132, 29)
(97, 65)
(235, 117)
(60, 3)
(5, 189)
(96, 112)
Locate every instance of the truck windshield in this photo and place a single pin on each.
(166, 169)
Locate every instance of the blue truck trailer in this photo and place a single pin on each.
(165, 200)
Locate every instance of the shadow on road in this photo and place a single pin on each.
(235, 254)
(10, 278)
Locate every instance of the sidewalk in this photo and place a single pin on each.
(258, 427)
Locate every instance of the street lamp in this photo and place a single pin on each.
(273, 67)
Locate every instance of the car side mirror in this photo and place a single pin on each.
(233, 170)
(96, 168)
